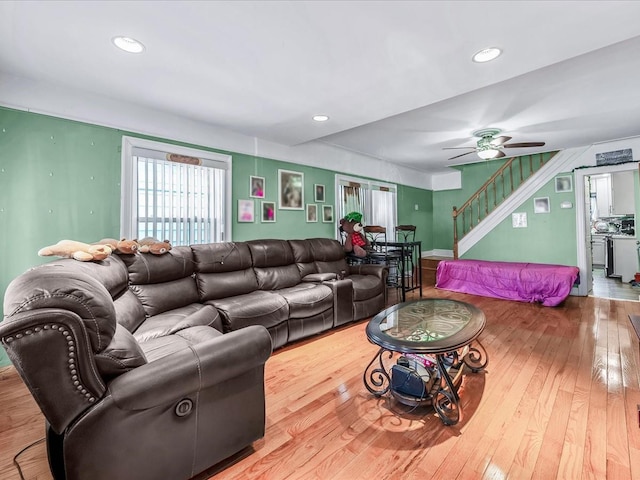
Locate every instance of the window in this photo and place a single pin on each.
(174, 193)
(375, 200)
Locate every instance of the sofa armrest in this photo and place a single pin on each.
(50, 350)
(381, 271)
(319, 277)
(193, 369)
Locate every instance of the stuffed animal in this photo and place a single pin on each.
(355, 241)
(83, 252)
(124, 246)
(153, 245)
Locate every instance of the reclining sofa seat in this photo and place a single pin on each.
(367, 281)
(166, 401)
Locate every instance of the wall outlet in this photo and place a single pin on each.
(415, 206)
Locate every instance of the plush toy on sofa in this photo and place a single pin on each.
(124, 246)
(154, 246)
(355, 241)
(83, 252)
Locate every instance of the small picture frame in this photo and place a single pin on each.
(268, 212)
(312, 213)
(519, 220)
(318, 193)
(327, 213)
(290, 190)
(256, 187)
(564, 183)
(541, 205)
(245, 211)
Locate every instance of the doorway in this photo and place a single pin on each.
(601, 228)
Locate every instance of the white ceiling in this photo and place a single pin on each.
(396, 78)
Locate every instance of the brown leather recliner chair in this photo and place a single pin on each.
(113, 410)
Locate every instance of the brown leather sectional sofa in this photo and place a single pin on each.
(150, 367)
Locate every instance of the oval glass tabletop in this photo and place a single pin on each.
(430, 325)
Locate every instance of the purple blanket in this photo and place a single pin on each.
(524, 282)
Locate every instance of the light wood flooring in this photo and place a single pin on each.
(613, 288)
(558, 400)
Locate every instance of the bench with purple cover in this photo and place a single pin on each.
(524, 282)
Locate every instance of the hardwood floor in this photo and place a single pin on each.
(558, 400)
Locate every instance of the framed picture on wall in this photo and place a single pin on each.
(256, 187)
(327, 213)
(312, 212)
(245, 211)
(564, 183)
(541, 205)
(268, 212)
(319, 193)
(290, 190)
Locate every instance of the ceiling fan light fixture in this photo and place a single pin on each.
(488, 154)
(487, 54)
(128, 44)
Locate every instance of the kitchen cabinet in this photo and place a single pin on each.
(602, 188)
(597, 250)
(625, 258)
(622, 193)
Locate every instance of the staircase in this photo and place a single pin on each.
(518, 179)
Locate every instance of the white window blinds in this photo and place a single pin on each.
(376, 201)
(176, 197)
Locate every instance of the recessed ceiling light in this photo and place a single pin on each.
(128, 44)
(320, 118)
(487, 54)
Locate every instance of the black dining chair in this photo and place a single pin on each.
(381, 253)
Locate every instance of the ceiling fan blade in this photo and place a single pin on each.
(496, 142)
(456, 148)
(461, 155)
(499, 155)
(523, 144)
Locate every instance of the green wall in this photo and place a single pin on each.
(473, 177)
(548, 237)
(289, 223)
(61, 179)
(408, 198)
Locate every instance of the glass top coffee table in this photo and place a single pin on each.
(425, 346)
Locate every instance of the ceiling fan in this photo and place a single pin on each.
(489, 146)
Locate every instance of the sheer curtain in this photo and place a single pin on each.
(376, 201)
(383, 211)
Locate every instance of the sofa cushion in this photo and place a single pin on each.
(221, 257)
(329, 255)
(307, 299)
(160, 347)
(110, 272)
(303, 256)
(212, 286)
(162, 297)
(273, 264)
(366, 287)
(121, 355)
(256, 308)
(223, 270)
(146, 268)
(174, 321)
(129, 310)
(65, 284)
(270, 253)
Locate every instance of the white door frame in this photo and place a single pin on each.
(584, 252)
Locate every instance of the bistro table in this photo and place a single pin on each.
(442, 335)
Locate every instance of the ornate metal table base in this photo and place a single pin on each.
(443, 395)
